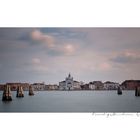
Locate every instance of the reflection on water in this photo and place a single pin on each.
(73, 101)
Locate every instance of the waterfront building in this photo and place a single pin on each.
(25, 86)
(92, 86)
(51, 87)
(85, 87)
(2, 87)
(97, 85)
(69, 84)
(111, 85)
(130, 84)
(76, 85)
(38, 86)
(14, 86)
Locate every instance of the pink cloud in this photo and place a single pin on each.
(59, 47)
(69, 49)
(132, 54)
(36, 61)
(37, 35)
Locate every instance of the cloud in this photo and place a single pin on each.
(110, 39)
(36, 61)
(53, 48)
(37, 35)
(69, 49)
(127, 57)
(61, 49)
(38, 66)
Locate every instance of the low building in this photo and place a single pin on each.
(85, 87)
(1, 87)
(76, 85)
(14, 86)
(62, 85)
(39, 86)
(111, 85)
(69, 84)
(25, 86)
(51, 87)
(130, 84)
(92, 86)
(97, 85)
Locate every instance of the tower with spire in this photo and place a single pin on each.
(69, 82)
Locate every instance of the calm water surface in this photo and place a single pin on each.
(73, 101)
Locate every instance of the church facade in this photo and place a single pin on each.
(69, 84)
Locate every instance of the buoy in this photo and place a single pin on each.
(31, 93)
(7, 96)
(119, 91)
(20, 92)
(137, 91)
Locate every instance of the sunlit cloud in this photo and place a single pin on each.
(37, 35)
(36, 61)
(69, 48)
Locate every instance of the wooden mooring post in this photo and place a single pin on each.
(137, 91)
(20, 92)
(7, 96)
(31, 93)
(119, 90)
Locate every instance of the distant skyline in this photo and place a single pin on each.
(50, 54)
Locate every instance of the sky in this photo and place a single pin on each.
(50, 54)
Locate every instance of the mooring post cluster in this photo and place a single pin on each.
(31, 93)
(7, 95)
(137, 91)
(119, 90)
(20, 92)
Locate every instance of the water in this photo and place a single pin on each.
(73, 101)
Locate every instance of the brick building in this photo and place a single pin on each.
(130, 84)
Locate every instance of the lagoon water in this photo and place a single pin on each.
(73, 101)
